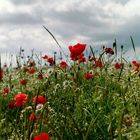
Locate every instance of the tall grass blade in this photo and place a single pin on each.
(133, 45)
(55, 40)
(115, 46)
(92, 51)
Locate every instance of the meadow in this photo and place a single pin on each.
(94, 97)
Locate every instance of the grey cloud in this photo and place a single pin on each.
(80, 22)
(19, 18)
(121, 1)
(77, 17)
(23, 2)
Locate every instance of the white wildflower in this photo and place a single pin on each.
(50, 71)
(39, 107)
(29, 108)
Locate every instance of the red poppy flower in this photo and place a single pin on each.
(98, 63)
(109, 51)
(11, 104)
(136, 63)
(118, 65)
(33, 117)
(83, 59)
(39, 100)
(42, 136)
(20, 99)
(45, 57)
(32, 63)
(31, 71)
(63, 64)
(76, 50)
(1, 74)
(50, 60)
(136, 66)
(6, 90)
(40, 76)
(23, 82)
(88, 76)
(78, 57)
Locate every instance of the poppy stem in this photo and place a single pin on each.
(32, 126)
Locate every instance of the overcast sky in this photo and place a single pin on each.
(95, 22)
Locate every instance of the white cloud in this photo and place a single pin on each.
(6, 6)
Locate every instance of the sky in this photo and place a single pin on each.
(95, 22)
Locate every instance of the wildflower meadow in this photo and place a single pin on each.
(85, 96)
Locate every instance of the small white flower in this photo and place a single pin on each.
(29, 108)
(86, 124)
(66, 83)
(50, 71)
(91, 72)
(2, 120)
(77, 90)
(50, 109)
(21, 115)
(57, 86)
(22, 111)
(39, 107)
